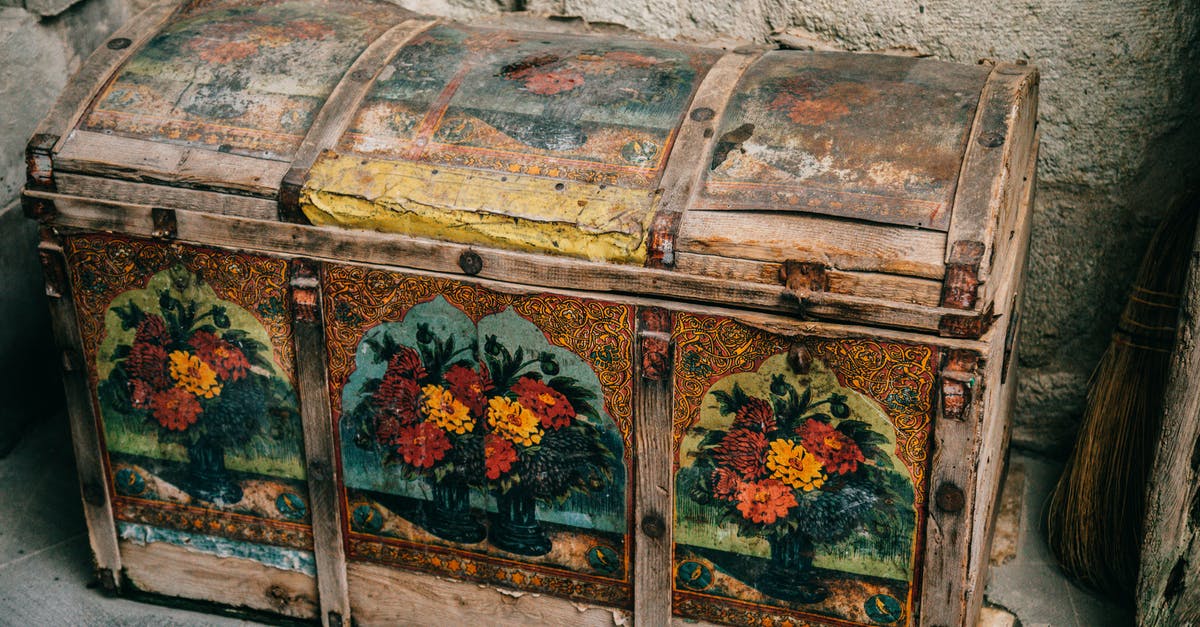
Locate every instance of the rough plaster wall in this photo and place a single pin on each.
(1120, 122)
(41, 43)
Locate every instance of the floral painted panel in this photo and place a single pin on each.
(484, 435)
(214, 79)
(190, 354)
(563, 106)
(835, 134)
(800, 495)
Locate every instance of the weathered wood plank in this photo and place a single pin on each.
(166, 197)
(171, 570)
(842, 244)
(865, 284)
(1000, 136)
(341, 106)
(1168, 591)
(654, 491)
(380, 595)
(320, 448)
(85, 152)
(510, 266)
(85, 436)
(683, 171)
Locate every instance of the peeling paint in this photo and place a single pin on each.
(273, 556)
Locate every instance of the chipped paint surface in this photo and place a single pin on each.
(868, 137)
(212, 78)
(476, 207)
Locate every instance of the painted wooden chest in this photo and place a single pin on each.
(370, 317)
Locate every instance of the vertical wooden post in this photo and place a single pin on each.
(654, 489)
(319, 447)
(81, 412)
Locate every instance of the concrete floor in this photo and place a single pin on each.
(45, 563)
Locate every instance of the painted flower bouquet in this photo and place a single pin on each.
(498, 424)
(794, 471)
(199, 382)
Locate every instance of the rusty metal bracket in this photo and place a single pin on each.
(54, 268)
(654, 338)
(39, 163)
(37, 208)
(967, 325)
(165, 225)
(806, 281)
(958, 385)
(289, 197)
(961, 288)
(306, 290)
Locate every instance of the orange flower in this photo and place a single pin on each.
(193, 375)
(838, 452)
(175, 409)
(423, 445)
(514, 422)
(794, 465)
(446, 411)
(499, 455)
(765, 501)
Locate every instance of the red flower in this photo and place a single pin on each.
(756, 414)
(499, 455)
(175, 408)
(765, 501)
(140, 393)
(423, 445)
(399, 400)
(227, 360)
(554, 410)
(838, 452)
(470, 387)
(152, 330)
(744, 452)
(725, 484)
(149, 363)
(407, 363)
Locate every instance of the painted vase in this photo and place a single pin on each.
(789, 574)
(515, 527)
(448, 513)
(208, 479)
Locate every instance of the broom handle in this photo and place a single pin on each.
(1168, 591)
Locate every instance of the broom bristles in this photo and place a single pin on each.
(1094, 516)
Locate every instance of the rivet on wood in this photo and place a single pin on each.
(93, 494)
(164, 222)
(950, 498)
(470, 262)
(318, 470)
(108, 581)
(119, 43)
(991, 139)
(799, 358)
(360, 75)
(654, 526)
(702, 114)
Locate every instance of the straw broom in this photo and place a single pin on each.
(1095, 514)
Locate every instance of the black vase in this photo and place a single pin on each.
(789, 573)
(448, 514)
(515, 527)
(207, 478)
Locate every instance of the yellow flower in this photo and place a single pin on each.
(446, 411)
(193, 375)
(514, 422)
(795, 466)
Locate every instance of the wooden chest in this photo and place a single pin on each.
(371, 317)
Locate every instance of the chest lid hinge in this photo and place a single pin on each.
(958, 385)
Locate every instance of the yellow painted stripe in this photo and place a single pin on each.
(518, 212)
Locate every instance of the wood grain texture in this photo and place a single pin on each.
(85, 152)
(838, 243)
(1168, 591)
(85, 437)
(510, 266)
(380, 595)
(320, 447)
(175, 571)
(654, 502)
(166, 197)
(95, 72)
(696, 136)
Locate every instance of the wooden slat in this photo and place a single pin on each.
(112, 156)
(510, 266)
(1000, 136)
(343, 103)
(695, 138)
(866, 284)
(95, 73)
(654, 502)
(174, 571)
(388, 596)
(320, 448)
(842, 244)
(1168, 591)
(85, 436)
(166, 197)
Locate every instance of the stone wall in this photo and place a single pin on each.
(1120, 120)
